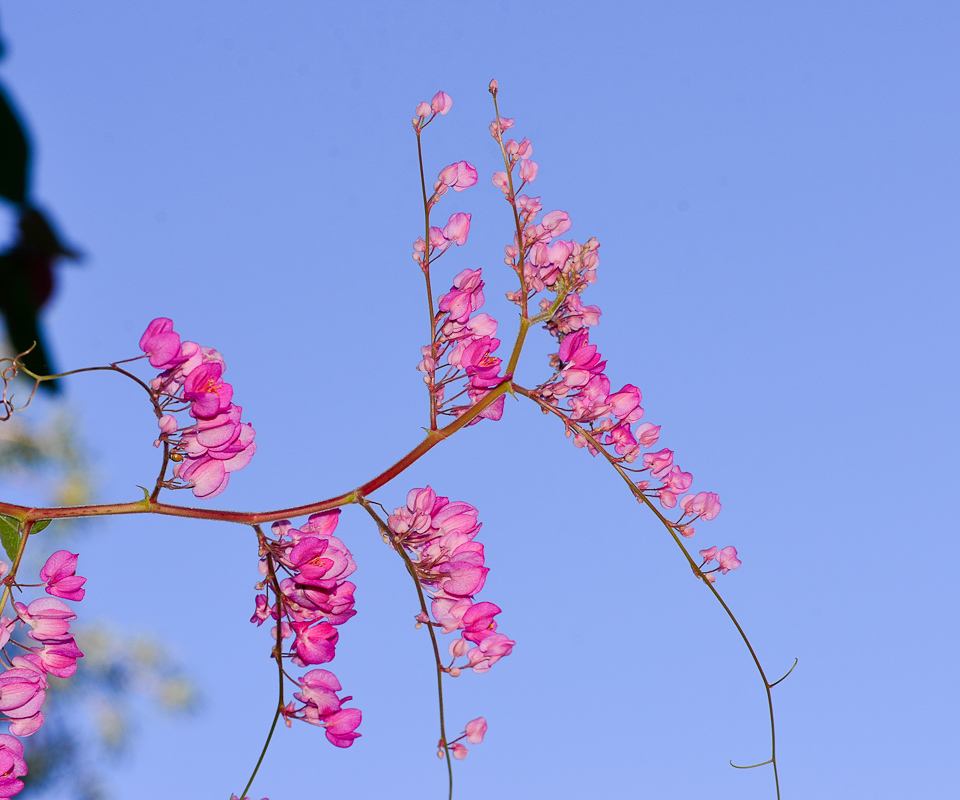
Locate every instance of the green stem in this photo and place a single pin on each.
(411, 568)
(272, 579)
(426, 276)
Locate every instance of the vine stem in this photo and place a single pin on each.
(272, 579)
(672, 530)
(411, 568)
(150, 506)
(426, 276)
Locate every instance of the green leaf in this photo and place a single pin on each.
(10, 535)
(39, 525)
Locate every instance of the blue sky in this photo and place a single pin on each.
(774, 187)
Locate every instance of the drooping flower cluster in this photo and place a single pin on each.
(579, 388)
(310, 603)
(440, 537)
(23, 682)
(217, 443)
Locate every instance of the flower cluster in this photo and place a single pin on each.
(579, 388)
(23, 682)
(462, 344)
(464, 348)
(217, 443)
(310, 603)
(440, 536)
(541, 260)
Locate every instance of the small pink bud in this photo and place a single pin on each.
(423, 110)
(494, 86)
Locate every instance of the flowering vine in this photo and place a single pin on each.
(303, 587)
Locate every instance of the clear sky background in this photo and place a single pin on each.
(775, 190)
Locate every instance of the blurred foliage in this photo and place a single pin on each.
(90, 717)
(47, 457)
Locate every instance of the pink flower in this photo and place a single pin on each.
(476, 729)
(12, 766)
(580, 359)
(459, 176)
(22, 692)
(516, 149)
(708, 555)
(499, 125)
(318, 690)
(647, 434)
(161, 343)
(323, 562)
(464, 574)
(727, 559)
(341, 726)
(457, 228)
(60, 575)
(50, 619)
(557, 222)
(263, 611)
(441, 103)
(206, 476)
(489, 652)
(476, 360)
(7, 626)
(315, 644)
(206, 391)
(449, 611)
(60, 659)
(658, 462)
(502, 181)
(676, 480)
(528, 171)
(479, 623)
(703, 504)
